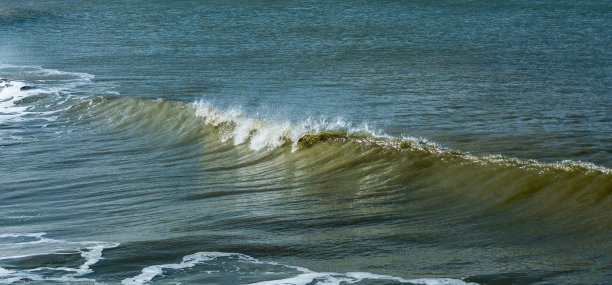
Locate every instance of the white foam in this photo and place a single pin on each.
(41, 74)
(240, 129)
(13, 277)
(331, 278)
(13, 235)
(266, 134)
(148, 273)
(90, 251)
(46, 82)
(304, 276)
(10, 93)
(5, 271)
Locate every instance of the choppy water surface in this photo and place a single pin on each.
(306, 142)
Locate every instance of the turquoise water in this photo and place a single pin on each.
(305, 142)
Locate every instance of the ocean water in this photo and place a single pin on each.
(305, 142)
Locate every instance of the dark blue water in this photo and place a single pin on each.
(299, 142)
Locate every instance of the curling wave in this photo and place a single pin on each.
(576, 192)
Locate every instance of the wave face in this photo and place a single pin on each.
(320, 149)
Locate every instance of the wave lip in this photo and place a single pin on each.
(239, 128)
(266, 134)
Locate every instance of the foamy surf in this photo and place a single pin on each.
(10, 93)
(239, 128)
(47, 259)
(31, 92)
(260, 134)
(211, 265)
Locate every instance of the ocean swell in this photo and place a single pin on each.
(576, 193)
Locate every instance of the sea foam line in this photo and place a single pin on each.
(305, 276)
(90, 251)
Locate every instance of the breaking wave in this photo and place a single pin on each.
(574, 190)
